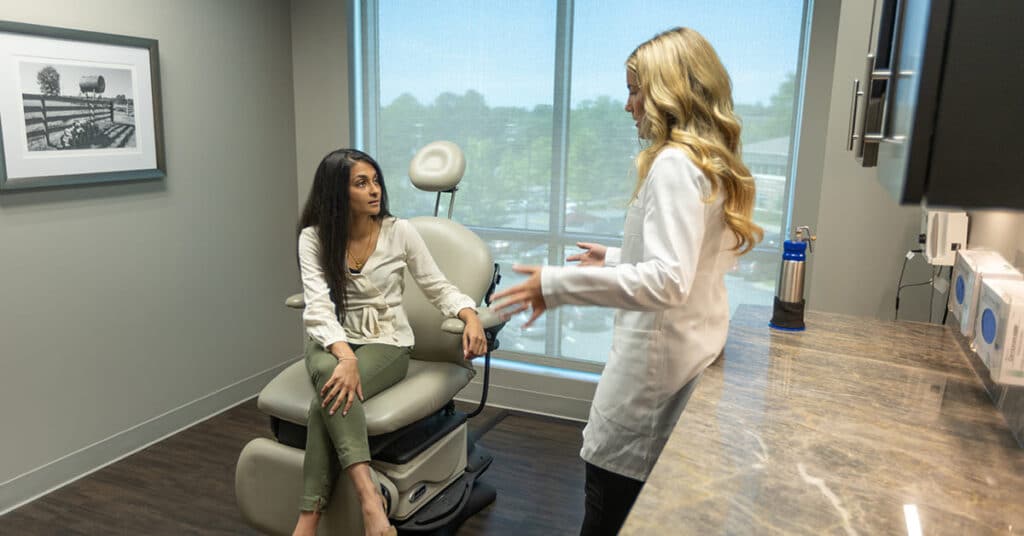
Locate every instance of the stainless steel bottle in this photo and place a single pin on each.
(788, 310)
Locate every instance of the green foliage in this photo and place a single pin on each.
(509, 162)
(508, 152)
(762, 122)
(49, 81)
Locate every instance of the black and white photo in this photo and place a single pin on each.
(77, 107)
(70, 106)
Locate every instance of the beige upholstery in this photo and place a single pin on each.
(268, 484)
(295, 301)
(466, 261)
(427, 388)
(437, 167)
(488, 319)
(437, 371)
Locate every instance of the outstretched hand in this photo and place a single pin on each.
(521, 297)
(593, 254)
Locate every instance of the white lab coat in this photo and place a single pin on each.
(668, 283)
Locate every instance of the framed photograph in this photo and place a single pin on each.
(77, 107)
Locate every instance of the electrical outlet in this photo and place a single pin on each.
(940, 284)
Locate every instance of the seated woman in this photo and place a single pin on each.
(353, 254)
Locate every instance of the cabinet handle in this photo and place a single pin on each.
(858, 137)
(890, 76)
(854, 98)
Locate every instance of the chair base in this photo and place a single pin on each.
(481, 496)
(457, 503)
(269, 482)
(417, 482)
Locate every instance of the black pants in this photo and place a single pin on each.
(609, 498)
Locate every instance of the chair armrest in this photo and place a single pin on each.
(488, 319)
(453, 325)
(295, 301)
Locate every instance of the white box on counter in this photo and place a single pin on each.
(999, 330)
(972, 267)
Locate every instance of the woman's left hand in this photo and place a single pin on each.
(522, 296)
(474, 343)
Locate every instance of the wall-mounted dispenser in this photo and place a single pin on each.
(999, 330)
(971, 268)
(944, 232)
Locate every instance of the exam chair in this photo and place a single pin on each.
(425, 460)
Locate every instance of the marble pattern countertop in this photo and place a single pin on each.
(855, 426)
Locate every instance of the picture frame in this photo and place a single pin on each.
(78, 107)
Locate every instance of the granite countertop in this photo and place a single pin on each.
(855, 426)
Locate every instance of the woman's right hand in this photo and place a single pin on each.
(592, 256)
(343, 386)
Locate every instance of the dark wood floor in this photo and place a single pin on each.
(185, 484)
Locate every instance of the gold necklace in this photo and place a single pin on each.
(358, 264)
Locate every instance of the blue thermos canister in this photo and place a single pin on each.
(788, 310)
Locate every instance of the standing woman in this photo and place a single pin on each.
(688, 221)
(353, 255)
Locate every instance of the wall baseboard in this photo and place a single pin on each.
(33, 484)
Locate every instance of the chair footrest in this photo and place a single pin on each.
(446, 512)
(401, 446)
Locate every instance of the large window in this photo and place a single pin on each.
(533, 92)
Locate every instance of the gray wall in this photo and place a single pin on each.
(862, 233)
(130, 311)
(320, 64)
(809, 148)
(1002, 231)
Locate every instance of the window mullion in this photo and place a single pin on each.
(800, 80)
(371, 78)
(356, 48)
(559, 154)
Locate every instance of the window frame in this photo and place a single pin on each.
(363, 54)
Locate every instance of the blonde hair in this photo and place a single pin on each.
(687, 99)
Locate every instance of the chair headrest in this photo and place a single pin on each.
(437, 167)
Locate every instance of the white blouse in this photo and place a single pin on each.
(374, 312)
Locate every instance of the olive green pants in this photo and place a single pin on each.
(334, 442)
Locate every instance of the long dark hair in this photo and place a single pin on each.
(327, 209)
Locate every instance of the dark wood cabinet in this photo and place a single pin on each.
(940, 107)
